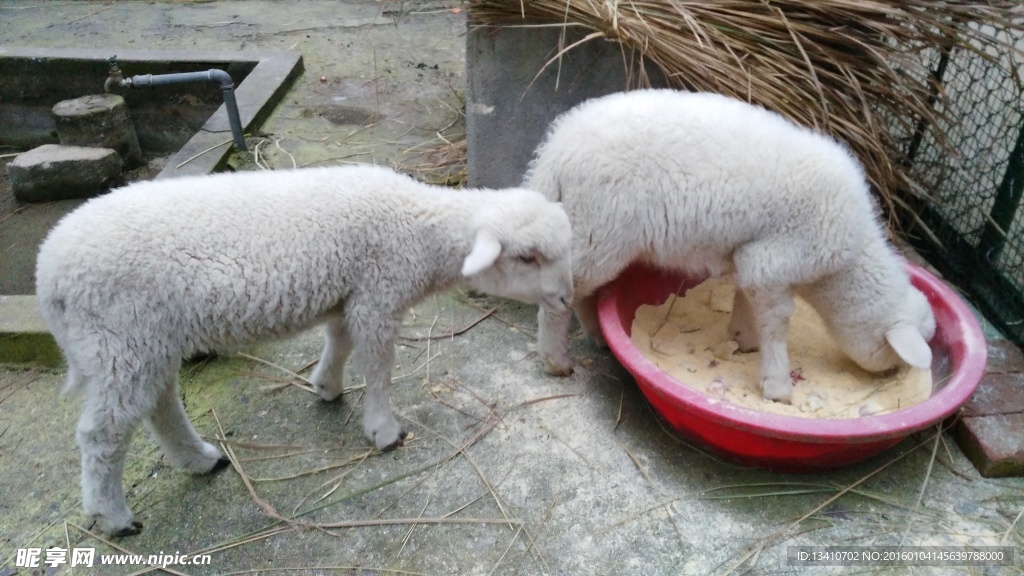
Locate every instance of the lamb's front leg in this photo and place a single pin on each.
(329, 376)
(376, 352)
(771, 308)
(553, 340)
(586, 312)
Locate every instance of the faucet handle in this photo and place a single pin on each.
(115, 80)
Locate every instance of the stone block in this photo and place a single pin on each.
(99, 121)
(56, 172)
(24, 337)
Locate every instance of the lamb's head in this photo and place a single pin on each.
(522, 247)
(902, 337)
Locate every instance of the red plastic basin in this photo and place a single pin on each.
(787, 443)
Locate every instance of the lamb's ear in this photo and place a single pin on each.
(910, 345)
(486, 249)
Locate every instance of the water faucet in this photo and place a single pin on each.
(114, 76)
(116, 82)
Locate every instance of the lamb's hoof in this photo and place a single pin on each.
(561, 372)
(397, 443)
(781, 391)
(326, 396)
(135, 528)
(561, 369)
(327, 393)
(222, 463)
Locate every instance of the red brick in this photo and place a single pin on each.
(991, 430)
(1004, 356)
(994, 444)
(997, 394)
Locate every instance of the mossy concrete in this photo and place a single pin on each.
(24, 338)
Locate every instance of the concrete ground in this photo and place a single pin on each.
(509, 471)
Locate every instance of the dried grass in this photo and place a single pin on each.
(858, 70)
(441, 161)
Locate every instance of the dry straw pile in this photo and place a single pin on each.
(862, 71)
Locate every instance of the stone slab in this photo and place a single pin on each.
(24, 337)
(55, 172)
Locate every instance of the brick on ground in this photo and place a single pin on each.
(991, 427)
(57, 172)
(24, 338)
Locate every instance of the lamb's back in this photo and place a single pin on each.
(250, 253)
(669, 169)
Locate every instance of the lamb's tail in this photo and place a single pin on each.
(53, 311)
(74, 382)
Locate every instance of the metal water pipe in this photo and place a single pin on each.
(227, 87)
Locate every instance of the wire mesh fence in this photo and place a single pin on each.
(971, 230)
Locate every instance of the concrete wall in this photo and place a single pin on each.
(508, 106)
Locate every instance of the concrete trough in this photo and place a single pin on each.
(186, 118)
(187, 121)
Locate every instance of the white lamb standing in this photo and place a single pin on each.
(709, 185)
(132, 282)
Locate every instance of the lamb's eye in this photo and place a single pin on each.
(528, 258)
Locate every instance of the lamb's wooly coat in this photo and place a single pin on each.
(132, 282)
(710, 185)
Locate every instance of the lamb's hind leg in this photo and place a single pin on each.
(112, 411)
(178, 440)
(329, 376)
(742, 326)
(586, 312)
(553, 327)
